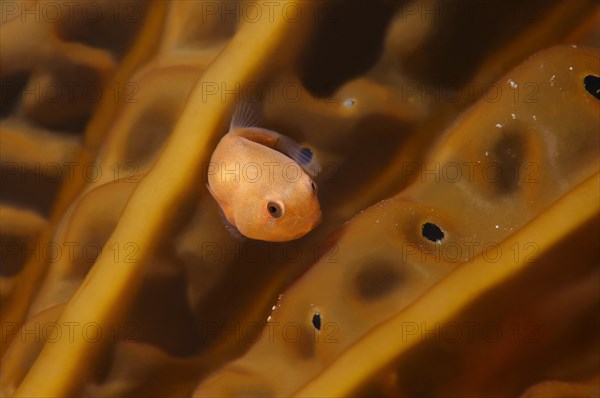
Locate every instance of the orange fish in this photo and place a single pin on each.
(261, 181)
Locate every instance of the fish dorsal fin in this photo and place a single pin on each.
(245, 114)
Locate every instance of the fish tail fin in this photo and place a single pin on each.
(302, 155)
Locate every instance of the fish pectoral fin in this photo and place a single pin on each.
(229, 226)
(225, 209)
(233, 231)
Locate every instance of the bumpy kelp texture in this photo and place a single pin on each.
(459, 185)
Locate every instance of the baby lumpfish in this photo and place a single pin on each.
(261, 181)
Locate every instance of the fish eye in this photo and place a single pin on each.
(275, 209)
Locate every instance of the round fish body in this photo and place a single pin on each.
(263, 193)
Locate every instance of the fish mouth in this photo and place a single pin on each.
(316, 220)
(305, 227)
(319, 219)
